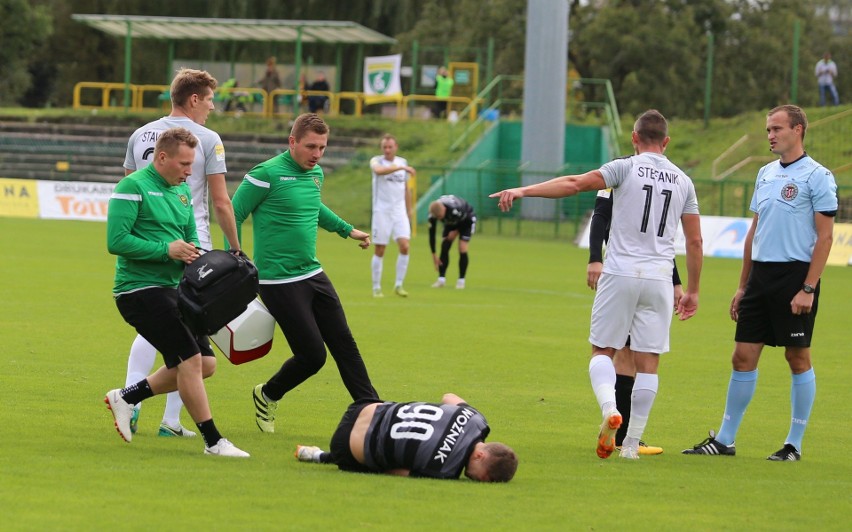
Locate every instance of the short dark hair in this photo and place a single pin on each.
(651, 127)
(189, 81)
(308, 122)
(171, 139)
(502, 462)
(796, 115)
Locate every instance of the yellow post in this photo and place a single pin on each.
(412, 186)
(466, 78)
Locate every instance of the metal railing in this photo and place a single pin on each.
(106, 90)
(246, 99)
(503, 92)
(826, 141)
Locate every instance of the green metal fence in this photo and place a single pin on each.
(587, 99)
(569, 215)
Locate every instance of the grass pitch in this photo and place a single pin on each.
(514, 344)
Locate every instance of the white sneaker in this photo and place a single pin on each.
(377, 293)
(460, 284)
(225, 448)
(630, 453)
(308, 453)
(122, 411)
(438, 284)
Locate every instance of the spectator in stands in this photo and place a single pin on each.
(826, 71)
(443, 89)
(234, 100)
(316, 103)
(270, 80)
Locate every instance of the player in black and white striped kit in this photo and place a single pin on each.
(418, 439)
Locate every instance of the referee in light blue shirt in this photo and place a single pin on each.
(786, 248)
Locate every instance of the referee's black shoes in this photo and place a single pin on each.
(713, 447)
(788, 452)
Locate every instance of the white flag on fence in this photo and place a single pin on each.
(381, 75)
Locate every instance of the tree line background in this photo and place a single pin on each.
(653, 51)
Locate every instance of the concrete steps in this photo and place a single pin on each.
(75, 152)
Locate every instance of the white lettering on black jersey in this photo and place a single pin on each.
(430, 440)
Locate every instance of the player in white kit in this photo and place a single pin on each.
(392, 212)
(634, 294)
(192, 101)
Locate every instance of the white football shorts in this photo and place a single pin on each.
(387, 225)
(640, 308)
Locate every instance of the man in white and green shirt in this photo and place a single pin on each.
(151, 228)
(283, 196)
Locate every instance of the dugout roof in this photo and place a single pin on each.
(224, 29)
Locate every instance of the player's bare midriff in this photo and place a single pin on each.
(359, 431)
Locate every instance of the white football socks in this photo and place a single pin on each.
(140, 362)
(171, 415)
(602, 375)
(139, 366)
(376, 268)
(401, 269)
(644, 392)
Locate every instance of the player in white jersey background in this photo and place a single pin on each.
(634, 293)
(192, 101)
(784, 255)
(392, 212)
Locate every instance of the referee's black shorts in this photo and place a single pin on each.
(154, 313)
(765, 316)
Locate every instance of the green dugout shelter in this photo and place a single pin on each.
(172, 29)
